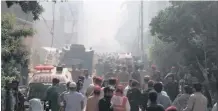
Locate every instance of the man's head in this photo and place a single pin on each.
(81, 78)
(152, 96)
(119, 89)
(130, 82)
(158, 87)
(150, 84)
(14, 84)
(98, 81)
(171, 108)
(153, 67)
(97, 90)
(187, 89)
(55, 81)
(123, 68)
(79, 85)
(86, 73)
(94, 78)
(135, 84)
(112, 81)
(108, 91)
(146, 79)
(198, 87)
(72, 86)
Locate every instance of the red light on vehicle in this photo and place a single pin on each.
(41, 67)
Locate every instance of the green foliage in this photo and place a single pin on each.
(28, 6)
(164, 54)
(192, 27)
(14, 53)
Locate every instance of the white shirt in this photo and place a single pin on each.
(73, 101)
(35, 105)
(118, 100)
(214, 107)
(196, 102)
(126, 89)
(87, 82)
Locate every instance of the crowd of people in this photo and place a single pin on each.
(109, 93)
(116, 87)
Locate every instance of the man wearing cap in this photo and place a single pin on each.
(92, 102)
(96, 81)
(119, 101)
(73, 100)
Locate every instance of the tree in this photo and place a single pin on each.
(14, 53)
(28, 6)
(191, 26)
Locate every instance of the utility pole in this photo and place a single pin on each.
(49, 58)
(142, 40)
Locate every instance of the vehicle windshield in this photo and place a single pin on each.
(38, 90)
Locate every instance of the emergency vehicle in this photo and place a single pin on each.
(42, 79)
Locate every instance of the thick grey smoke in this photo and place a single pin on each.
(100, 24)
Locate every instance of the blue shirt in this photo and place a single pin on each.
(163, 100)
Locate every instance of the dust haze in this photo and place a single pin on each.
(104, 25)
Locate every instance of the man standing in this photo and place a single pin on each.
(134, 96)
(123, 77)
(171, 87)
(52, 95)
(74, 101)
(145, 94)
(119, 101)
(197, 101)
(92, 102)
(155, 74)
(161, 98)
(97, 81)
(61, 97)
(87, 81)
(136, 75)
(75, 73)
(153, 106)
(128, 87)
(105, 103)
(17, 96)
